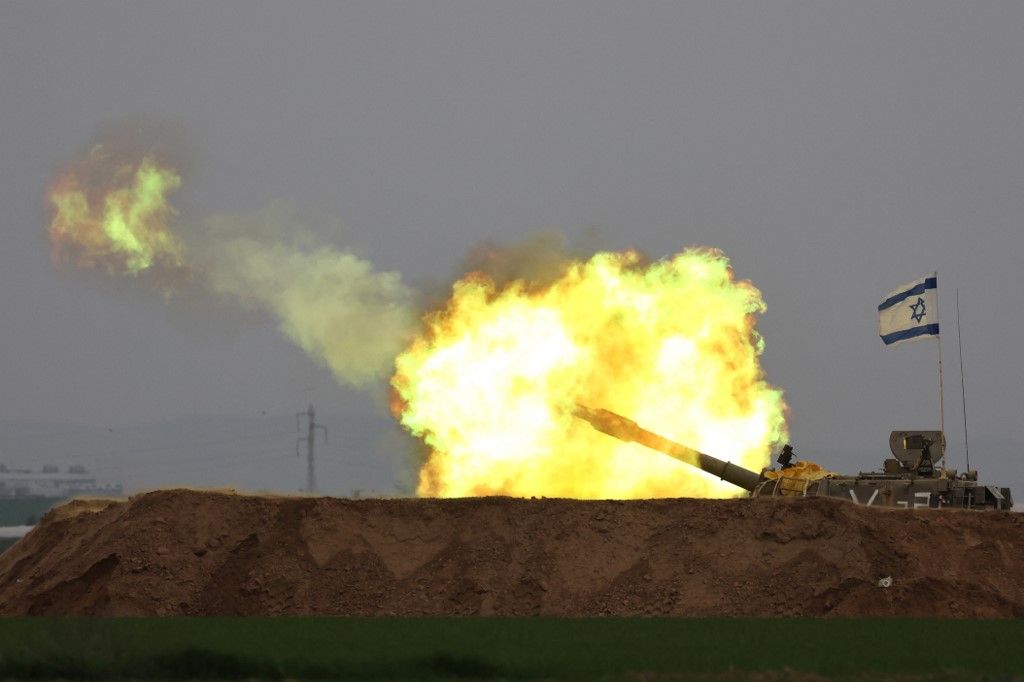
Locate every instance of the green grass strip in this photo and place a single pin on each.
(486, 648)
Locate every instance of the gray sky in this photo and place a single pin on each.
(832, 150)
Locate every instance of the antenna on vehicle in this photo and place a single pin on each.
(963, 392)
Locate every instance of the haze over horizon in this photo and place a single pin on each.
(833, 152)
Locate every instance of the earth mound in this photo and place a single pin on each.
(188, 552)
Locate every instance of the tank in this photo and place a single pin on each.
(912, 478)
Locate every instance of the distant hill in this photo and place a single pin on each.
(366, 451)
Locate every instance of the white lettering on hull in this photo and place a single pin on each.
(922, 500)
(874, 494)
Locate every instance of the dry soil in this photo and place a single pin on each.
(218, 552)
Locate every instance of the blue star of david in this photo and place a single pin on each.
(919, 310)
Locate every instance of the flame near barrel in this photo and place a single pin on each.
(627, 430)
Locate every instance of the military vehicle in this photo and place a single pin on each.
(910, 479)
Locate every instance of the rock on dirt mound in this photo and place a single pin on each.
(205, 553)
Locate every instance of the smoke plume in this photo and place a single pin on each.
(333, 305)
(111, 212)
(537, 260)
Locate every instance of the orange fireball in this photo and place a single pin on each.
(117, 222)
(491, 381)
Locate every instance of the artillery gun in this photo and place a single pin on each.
(910, 479)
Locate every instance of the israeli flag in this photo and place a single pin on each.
(911, 312)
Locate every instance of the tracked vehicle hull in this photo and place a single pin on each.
(880, 490)
(910, 479)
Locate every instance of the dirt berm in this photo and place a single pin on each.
(206, 553)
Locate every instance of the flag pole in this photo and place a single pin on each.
(942, 402)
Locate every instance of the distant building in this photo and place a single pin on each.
(52, 483)
(25, 495)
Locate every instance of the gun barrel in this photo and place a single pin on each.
(627, 430)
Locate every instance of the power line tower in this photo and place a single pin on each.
(310, 439)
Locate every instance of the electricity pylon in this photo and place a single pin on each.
(310, 439)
